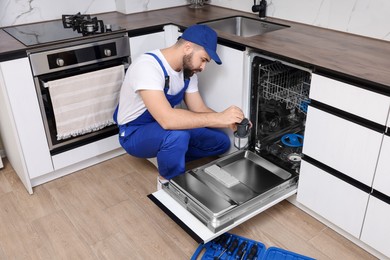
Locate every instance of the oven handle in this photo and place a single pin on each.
(46, 85)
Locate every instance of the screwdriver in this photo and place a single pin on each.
(217, 241)
(233, 246)
(252, 253)
(240, 250)
(224, 247)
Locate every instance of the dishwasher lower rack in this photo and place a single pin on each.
(261, 185)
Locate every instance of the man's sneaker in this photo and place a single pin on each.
(160, 182)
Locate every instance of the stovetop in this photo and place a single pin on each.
(71, 27)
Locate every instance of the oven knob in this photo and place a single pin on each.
(107, 52)
(60, 62)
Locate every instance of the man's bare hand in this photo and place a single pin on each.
(231, 116)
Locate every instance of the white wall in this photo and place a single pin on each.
(368, 18)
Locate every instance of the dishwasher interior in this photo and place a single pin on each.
(236, 185)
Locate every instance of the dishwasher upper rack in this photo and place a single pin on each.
(286, 84)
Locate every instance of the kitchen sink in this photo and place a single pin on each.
(243, 26)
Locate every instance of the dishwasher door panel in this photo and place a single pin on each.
(209, 208)
(196, 228)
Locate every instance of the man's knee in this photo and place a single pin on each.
(177, 139)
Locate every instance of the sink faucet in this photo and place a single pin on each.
(261, 8)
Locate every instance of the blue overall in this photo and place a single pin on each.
(145, 138)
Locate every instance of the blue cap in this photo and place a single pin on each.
(204, 36)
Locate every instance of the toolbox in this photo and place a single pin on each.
(230, 246)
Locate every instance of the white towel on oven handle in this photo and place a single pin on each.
(85, 103)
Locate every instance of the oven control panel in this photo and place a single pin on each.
(79, 55)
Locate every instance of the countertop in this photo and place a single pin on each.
(361, 59)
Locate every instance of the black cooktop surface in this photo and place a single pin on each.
(50, 31)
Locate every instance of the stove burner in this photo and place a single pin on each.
(83, 23)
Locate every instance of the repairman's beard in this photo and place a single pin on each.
(188, 70)
(188, 73)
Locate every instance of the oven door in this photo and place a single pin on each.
(45, 96)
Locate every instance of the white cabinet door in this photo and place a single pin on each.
(144, 43)
(22, 127)
(342, 145)
(364, 103)
(335, 200)
(382, 175)
(376, 228)
(152, 41)
(223, 85)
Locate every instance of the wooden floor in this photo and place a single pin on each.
(102, 212)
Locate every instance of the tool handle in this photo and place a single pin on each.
(252, 252)
(241, 249)
(233, 246)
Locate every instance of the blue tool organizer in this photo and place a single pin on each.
(233, 247)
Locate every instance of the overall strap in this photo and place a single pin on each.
(166, 86)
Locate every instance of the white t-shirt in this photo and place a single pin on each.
(146, 73)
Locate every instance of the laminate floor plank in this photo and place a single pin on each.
(102, 212)
(62, 237)
(270, 232)
(337, 247)
(117, 246)
(85, 210)
(18, 239)
(159, 221)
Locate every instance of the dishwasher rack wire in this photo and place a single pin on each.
(286, 84)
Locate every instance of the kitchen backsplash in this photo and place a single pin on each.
(367, 18)
(362, 17)
(13, 12)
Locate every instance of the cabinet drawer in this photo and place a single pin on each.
(376, 229)
(337, 201)
(363, 103)
(342, 145)
(382, 175)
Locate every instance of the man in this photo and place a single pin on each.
(151, 126)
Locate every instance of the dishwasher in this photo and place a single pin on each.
(213, 198)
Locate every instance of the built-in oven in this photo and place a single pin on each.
(77, 86)
(213, 198)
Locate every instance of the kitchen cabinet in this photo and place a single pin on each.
(376, 228)
(140, 44)
(22, 125)
(349, 98)
(144, 43)
(337, 201)
(382, 175)
(222, 85)
(345, 161)
(345, 146)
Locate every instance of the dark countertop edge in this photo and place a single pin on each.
(12, 55)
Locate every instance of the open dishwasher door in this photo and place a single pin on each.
(207, 206)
